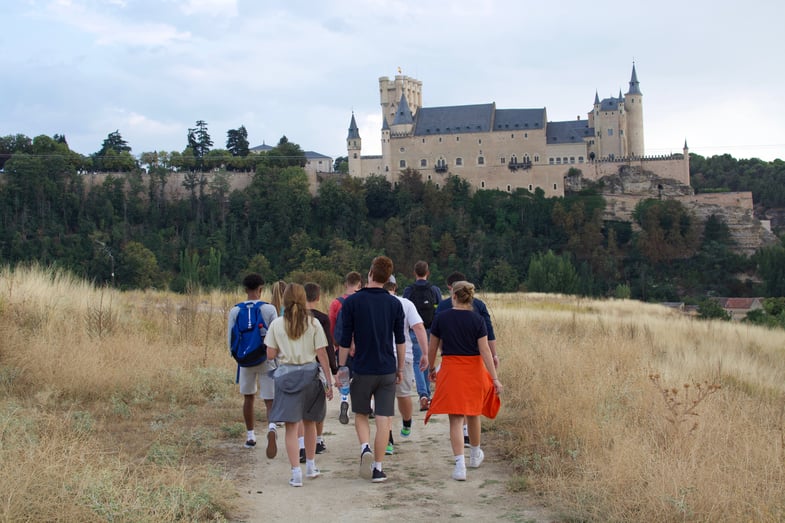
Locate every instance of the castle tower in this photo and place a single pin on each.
(686, 152)
(390, 93)
(354, 147)
(403, 122)
(633, 105)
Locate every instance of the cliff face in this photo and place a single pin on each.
(623, 190)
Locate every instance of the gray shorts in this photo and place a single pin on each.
(253, 379)
(380, 387)
(406, 387)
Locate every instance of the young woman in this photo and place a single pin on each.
(466, 381)
(298, 340)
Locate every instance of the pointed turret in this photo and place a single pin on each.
(596, 98)
(634, 83)
(403, 116)
(354, 148)
(354, 132)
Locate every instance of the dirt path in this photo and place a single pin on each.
(419, 487)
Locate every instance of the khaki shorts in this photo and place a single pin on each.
(406, 387)
(253, 379)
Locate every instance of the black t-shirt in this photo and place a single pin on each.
(459, 330)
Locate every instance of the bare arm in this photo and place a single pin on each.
(433, 348)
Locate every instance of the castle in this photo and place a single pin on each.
(508, 149)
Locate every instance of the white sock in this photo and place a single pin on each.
(301, 442)
(474, 451)
(250, 435)
(295, 469)
(363, 445)
(460, 460)
(377, 465)
(271, 426)
(319, 439)
(310, 463)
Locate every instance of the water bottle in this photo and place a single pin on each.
(343, 380)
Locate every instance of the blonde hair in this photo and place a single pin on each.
(463, 292)
(295, 313)
(277, 300)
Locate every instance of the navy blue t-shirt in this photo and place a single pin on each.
(478, 306)
(459, 330)
(374, 317)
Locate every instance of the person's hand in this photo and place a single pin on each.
(497, 385)
(398, 376)
(432, 375)
(424, 363)
(329, 393)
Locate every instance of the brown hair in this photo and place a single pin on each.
(381, 268)
(353, 278)
(463, 292)
(312, 291)
(295, 314)
(277, 300)
(421, 269)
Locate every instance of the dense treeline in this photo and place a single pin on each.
(124, 232)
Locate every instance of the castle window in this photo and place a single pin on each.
(526, 135)
(558, 161)
(402, 164)
(550, 161)
(503, 162)
(536, 158)
(429, 177)
(423, 163)
(479, 141)
(438, 186)
(355, 155)
(531, 187)
(457, 138)
(386, 168)
(580, 159)
(482, 184)
(610, 132)
(509, 189)
(402, 149)
(440, 139)
(554, 186)
(459, 161)
(481, 160)
(423, 140)
(565, 159)
(621, 132)
(512, 136)
(572, 159)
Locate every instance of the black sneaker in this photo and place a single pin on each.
(377, 476)
(320, 447)
(366, 463)
(251, 443)
(343, 417)
(466, 443)
(302, 455)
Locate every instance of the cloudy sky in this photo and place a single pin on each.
(710, 72)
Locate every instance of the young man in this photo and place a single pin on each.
(403, 390)
(480, 308)
(254, 378)
(313, 293)
(352, 283)
(373, 319)
(426, 298)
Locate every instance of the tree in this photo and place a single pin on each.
(502, 277)
(551, 273)
(341, 165)
(199, 142)
(237, 141)
(771, 267)
(669, 230)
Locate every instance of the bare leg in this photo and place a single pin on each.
(456, 434)
(310, 439)
(268, 405)
(363, 428)
(248, 411)
(383, 424)
(473, 423)
(292, 446)
(405, 407)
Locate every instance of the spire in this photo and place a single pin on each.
(620, 96)
(634, 83)
(404, 114)
(685, 144)
(596, 97)
(354, 133)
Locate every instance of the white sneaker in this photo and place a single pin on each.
(312, 472)
(297, 478)
(459, 473)
(476, 461)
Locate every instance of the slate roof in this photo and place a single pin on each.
(519, 119)
(453, 119)
(572, 131)
(610, 104)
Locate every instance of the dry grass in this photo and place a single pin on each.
(623, 411)
(114, 406)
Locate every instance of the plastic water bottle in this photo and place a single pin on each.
(343, 380)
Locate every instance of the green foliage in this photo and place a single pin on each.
(502, 277)
(551, 273)
(237, 141)
(771, 267)
(711, 310)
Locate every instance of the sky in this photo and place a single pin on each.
(150, 69)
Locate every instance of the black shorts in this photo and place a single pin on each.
(380, 387)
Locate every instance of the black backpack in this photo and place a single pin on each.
(422, 297)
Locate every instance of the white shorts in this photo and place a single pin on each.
(253, 379)
(406, 387)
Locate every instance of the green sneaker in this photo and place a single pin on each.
(406, 432)
(389, 450)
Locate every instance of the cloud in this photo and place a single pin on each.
(210, 7)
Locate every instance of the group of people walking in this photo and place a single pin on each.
(379, 343)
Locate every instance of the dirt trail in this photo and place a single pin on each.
(419, 487)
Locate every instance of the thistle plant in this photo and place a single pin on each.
(682, 403)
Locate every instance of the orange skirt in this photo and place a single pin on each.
(464, 387)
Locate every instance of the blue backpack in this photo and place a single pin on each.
(247, 343)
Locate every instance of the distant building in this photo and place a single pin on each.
(739, 307)
(315, 164)
(506, 149)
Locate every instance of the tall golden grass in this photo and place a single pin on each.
(121, 406)
(625, 411)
